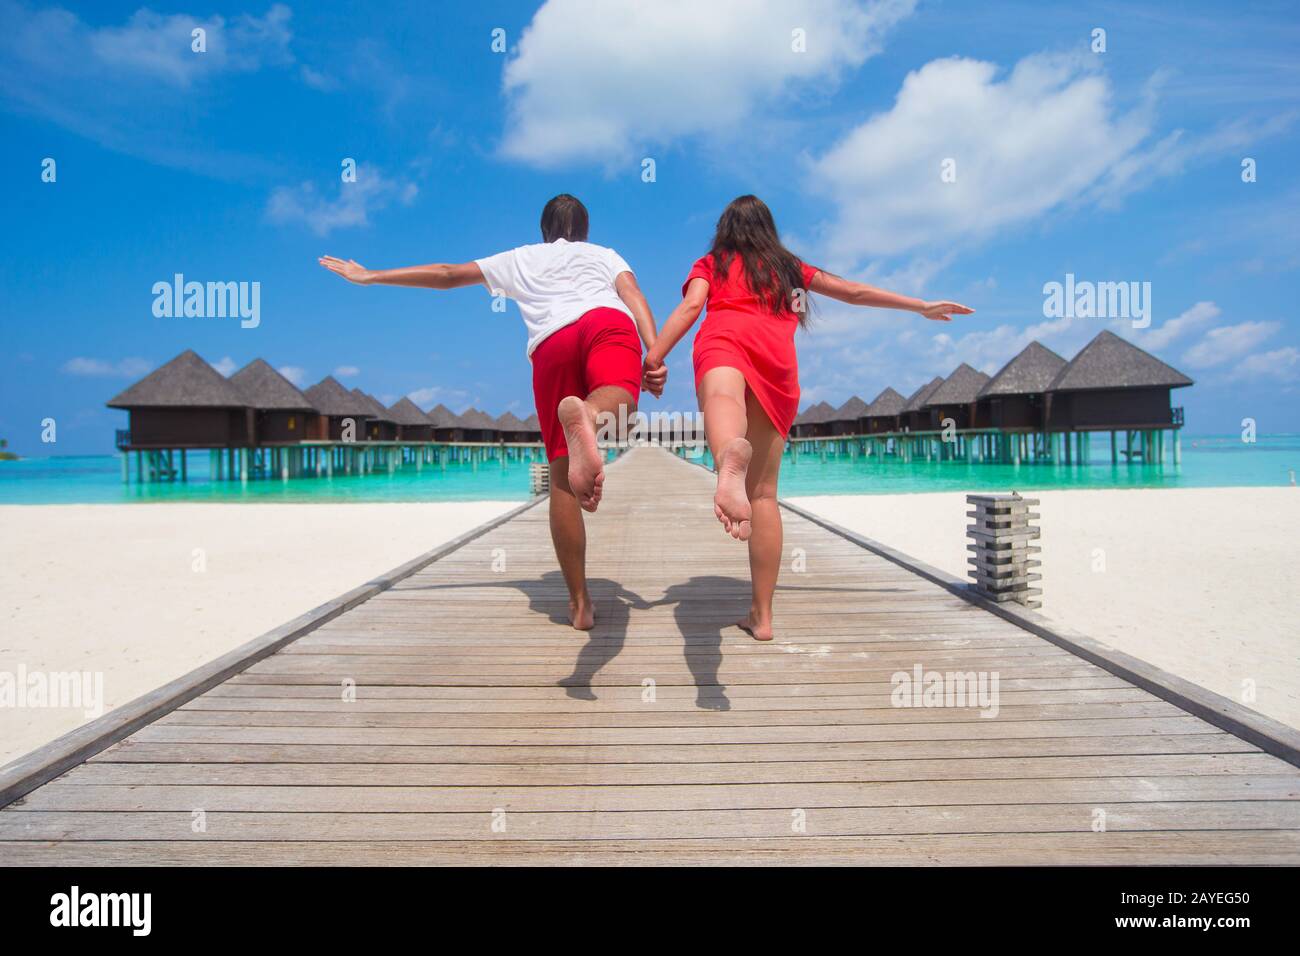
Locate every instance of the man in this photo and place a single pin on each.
(583, 310)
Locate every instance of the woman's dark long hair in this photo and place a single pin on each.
(746, 229)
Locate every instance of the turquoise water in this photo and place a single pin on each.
(1211, 461)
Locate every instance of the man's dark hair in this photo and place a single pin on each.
(564, 217)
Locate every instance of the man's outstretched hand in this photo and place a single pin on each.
(349, 269)
(654, 375)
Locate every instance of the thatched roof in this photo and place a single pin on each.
(815, 414)
(263, 387)
(850, 411)
(185, 382)
(473, 418)
(1110, 362)
(959, 388)
(532, 424)
(510, 422)
(885, 405)
(375, 408)
(406, 412)
(1029, 373)
(328, 397)
(916, 401)
(443, 417)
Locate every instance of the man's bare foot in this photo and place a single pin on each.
(759, 631)
(582, 613)
(586, 467)
(731, 503)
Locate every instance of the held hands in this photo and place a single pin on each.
(654, 374)
(943, 311)
(349, 269)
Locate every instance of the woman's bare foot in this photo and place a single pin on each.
(731, 503)
(582, 613)
(586, 467)
(759, 630)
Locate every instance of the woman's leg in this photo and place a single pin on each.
(765, 543)
(722, 400)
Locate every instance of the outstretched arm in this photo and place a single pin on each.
(859, 293)
(629, 291)
(437, 275)
(679, 323)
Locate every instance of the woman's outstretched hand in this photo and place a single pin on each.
(943, 311)
(349, 269)
(654, 375)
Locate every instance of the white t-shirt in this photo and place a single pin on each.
(555, 283)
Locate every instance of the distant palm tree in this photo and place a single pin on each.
(4, 443)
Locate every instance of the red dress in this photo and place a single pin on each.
(738, 332)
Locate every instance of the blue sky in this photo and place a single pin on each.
(1115, 166)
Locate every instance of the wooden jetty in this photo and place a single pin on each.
(443, 715)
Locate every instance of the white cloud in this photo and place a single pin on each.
(433, 394)
(1162, 336)
(1228, 342)
(125, 368)
(1040, 138)
(123, 85)
(353, 205)
(160, 46)
(601, 81)
(347, 371)
(1282, 364)
(293, 373)
(226, 366)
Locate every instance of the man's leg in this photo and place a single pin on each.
(722, 400)
(586, 473)
(570, 540)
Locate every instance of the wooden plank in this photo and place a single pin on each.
(97, 773)
(134, 751)
(1281, 815)
(1171, 848)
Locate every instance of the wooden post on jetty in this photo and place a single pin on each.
(1001, 562)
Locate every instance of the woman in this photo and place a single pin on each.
(746, 376)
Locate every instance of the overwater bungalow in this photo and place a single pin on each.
(184, 404)
(511, 428)
(533, 428)
(955, 399)
(334, 406)
(914, 415)
(1012, 400)
(412, 424)
(380, 426)
(883, 412)
(1111, 385)
(447, 426)
(279, 412)
(847, 419)
(479, 426)
(811, 422)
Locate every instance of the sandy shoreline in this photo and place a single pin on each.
(1198, 581)
(143, 593)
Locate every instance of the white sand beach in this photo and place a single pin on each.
(1199, 581)
(117, 589)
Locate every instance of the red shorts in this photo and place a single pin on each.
(602, 348)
